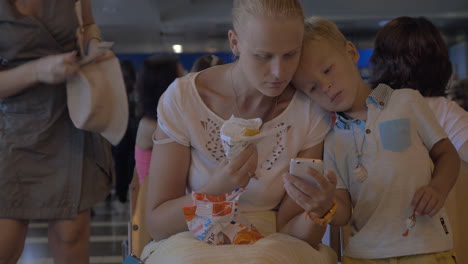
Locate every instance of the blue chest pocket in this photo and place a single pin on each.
(395, 135)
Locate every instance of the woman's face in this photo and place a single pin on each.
(269, 50)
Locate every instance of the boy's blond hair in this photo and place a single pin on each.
(319, 28)
(268, 8)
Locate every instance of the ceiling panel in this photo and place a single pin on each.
(154, 25)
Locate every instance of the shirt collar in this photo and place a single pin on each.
(379, 97)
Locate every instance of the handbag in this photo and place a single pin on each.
(96, 95)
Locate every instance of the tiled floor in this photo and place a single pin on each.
(108, 230)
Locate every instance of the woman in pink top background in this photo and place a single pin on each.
(156, 74)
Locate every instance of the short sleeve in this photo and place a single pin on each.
(171, 112)
(456, 124)
(329, 160)
(319, 126)
(427, 125)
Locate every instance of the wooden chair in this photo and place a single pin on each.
(138, 235)
(458, 214)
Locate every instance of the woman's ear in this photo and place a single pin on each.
(233, 42)
(352, 52)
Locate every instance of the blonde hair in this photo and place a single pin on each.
(318, 28)
(268, 8)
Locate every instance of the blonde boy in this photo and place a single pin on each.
(381, 149)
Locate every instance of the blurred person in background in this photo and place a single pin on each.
(457, 91)
(123, 153)
(49, 169)
(205, 62)
(156, 74)
(409, 52)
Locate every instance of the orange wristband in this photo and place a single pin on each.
(326, 219)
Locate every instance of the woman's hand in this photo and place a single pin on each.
(55, 68)
(317, 198)
(97, 51)
(233, 174)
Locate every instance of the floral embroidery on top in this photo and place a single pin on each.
(213, 145)
(278, 149)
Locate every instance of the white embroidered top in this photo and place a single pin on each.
(452, 118)
(185, 118)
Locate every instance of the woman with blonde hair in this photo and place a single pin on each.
(189, 158)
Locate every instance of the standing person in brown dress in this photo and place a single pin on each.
(49, 170)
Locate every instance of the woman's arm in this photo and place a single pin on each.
(168, 181)
(51, 69)
(146, 128)
(292, 218)
(166, 188)
(16, 80)
(87, 11)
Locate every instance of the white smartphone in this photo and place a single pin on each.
(298, 167)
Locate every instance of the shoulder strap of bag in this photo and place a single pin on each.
(80, 29)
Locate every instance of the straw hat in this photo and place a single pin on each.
(97, 99)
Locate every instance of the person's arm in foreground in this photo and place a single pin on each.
(168, 179)
(429, 199)
(51, 69)
(302, 197)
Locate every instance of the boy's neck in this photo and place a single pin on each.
(359, 108)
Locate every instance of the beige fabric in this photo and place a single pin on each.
(139, 235)
(275, 248)
(96, 95)
(445, 257)
(458, 214)
(97, 99)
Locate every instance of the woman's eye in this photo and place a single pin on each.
(263, 56)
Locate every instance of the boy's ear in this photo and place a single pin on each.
(352, 52)
(233, 42)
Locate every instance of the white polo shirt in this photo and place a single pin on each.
(399, 132)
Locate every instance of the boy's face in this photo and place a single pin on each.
(329, 75)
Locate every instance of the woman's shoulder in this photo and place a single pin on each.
(181, 89)
(211, 81)
(145, 131)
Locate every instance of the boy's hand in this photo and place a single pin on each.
(317, 198)
(428, 200)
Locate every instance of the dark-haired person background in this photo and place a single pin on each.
(410, 52)
(205, 62)
(156, 74)
(123, 153)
